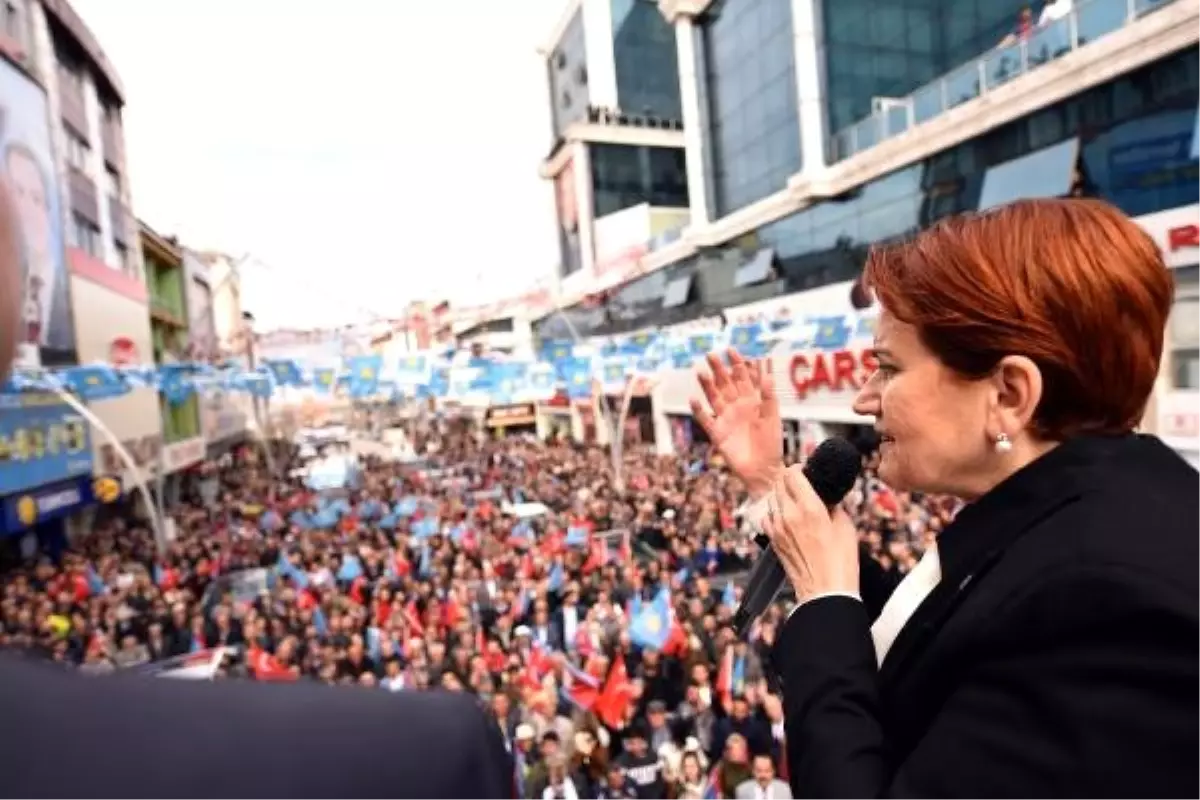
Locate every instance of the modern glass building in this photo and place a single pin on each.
(1115, 118)
(617, 140)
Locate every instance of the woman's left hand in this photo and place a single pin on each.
(819, 550)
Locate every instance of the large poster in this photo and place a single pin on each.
(27, 171)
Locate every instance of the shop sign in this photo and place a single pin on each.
(508, 416)
(181, 455)
(837, 371)
(56, 500)
(1176, 232)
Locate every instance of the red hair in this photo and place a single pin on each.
(1072, 284)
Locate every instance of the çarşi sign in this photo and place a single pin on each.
(1176, 231)
(835, 371)
(508, 416)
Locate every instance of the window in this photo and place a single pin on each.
(646, 63)
(123, 262)
(753, 130)
(112, 184)
(628, 175)
(85, 236)
(566, 72)
(79, 153)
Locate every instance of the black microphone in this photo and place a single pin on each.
(831, 469)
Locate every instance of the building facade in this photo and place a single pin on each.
(170, 334)
(85, 297)
(222, 415)
(616, 157)
(1095, 98)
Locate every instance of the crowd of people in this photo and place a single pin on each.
(590, 616)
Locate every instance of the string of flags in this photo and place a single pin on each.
(575, 367)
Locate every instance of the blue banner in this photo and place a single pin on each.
(57, 500)
(42, 440)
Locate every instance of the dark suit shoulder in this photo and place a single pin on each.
(229, 738)
(1136, 513)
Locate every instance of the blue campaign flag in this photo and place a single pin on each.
(350, 570)
(557, 577)
(742, 335)
(42, 440)
(325, 518)
(286, 372)
(700, 344)
(363, 375)
(865, 326)
(651, 627)
(682, 359)
(320, 623)
(95, 381)
(426, 527)
(257, 383)
(576, 373)
(614, 372)
(96, 583)
(729, 596)
(407, 506)
(286, 569)
(324, 379)
(832, 333)
(557, 350)
(577, 536)
(637, 344)
(270, 520)
(176, 383)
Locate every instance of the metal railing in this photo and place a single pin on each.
(1082, 25)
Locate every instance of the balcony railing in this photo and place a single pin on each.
(1084, 24)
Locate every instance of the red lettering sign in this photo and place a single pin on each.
(838, 371)
(1183, 236)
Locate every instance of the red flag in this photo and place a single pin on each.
(615, 700)
(725, 678)
(581, 688)
(266, 668)
(415, 626)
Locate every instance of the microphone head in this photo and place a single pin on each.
(832, 469)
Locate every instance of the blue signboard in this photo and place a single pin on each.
(42, 440)
(55, 501)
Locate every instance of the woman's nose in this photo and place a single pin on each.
(867, 402)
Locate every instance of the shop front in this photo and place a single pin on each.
(45, 450)
(555, 419)
(502, 421)
(816, 389)
(177, 460)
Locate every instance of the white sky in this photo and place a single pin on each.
(367, 152)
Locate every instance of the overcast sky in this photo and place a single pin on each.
(367, 152)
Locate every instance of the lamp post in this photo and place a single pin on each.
(615, 439)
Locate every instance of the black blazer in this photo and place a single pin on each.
(69, 735)
(1057, 656)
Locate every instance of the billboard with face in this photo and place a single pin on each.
(27, 171)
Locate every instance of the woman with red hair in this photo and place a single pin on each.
(1047, 644)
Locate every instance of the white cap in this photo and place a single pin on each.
(524, 731)
(522, 630)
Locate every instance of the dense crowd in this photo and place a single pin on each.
(594, 626)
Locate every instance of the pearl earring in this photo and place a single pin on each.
(1003, 444)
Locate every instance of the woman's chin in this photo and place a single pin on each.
(889, 470)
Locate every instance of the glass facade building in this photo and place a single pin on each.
(889, 48)
(627, 175)
(1131, 141)
(747, 50)
(644, 55)
(567, 77)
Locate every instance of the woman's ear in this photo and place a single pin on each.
(1017, 382)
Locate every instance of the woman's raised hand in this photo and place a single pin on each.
(740, 414)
